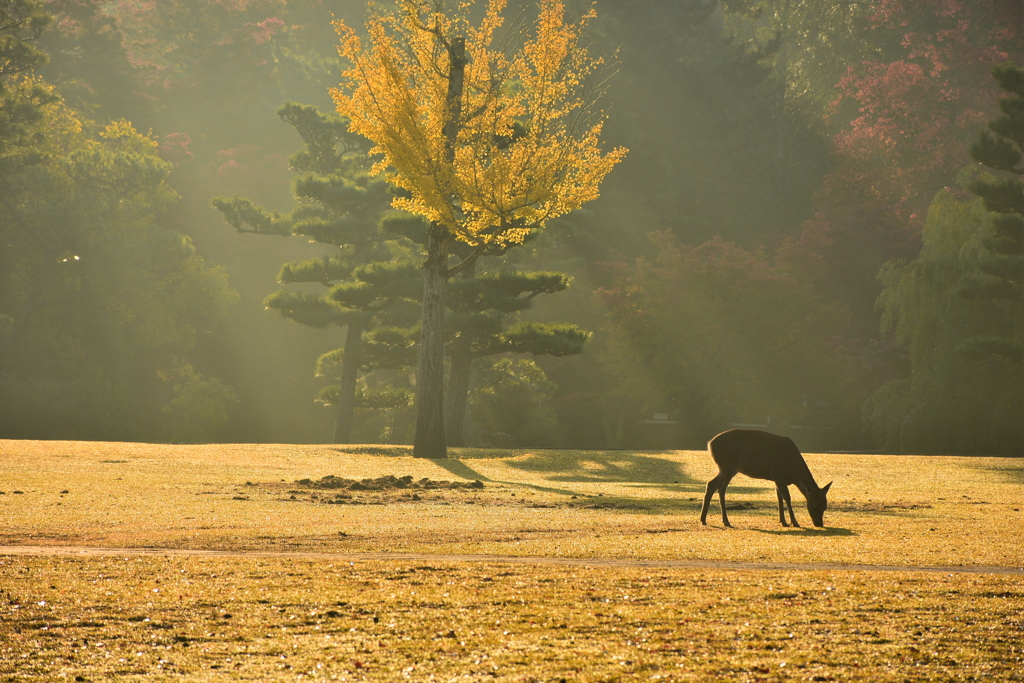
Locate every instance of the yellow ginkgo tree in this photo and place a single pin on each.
(489, 131)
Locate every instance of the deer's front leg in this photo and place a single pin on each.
(778, 493)
(784, 492)
(721, 500)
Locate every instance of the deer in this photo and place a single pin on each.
(762, 455)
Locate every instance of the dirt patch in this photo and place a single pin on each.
(386, 483)
(333, 490)
(390, 451)
(389, 489)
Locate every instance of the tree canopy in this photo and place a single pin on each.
(517, 145)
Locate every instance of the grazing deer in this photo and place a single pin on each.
(762, 455)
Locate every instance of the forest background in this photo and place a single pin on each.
(792, 240)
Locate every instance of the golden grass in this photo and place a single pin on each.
(915, 511)
(178, 618)
(274, 618)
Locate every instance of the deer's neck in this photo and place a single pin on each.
(806, 484)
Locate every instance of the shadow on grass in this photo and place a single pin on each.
(654, 506)
(1009, 475)
(598, 466)
(808, 531)
(571, 466)
(647, 506)
(461, 469)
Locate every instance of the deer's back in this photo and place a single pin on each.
(757, 454)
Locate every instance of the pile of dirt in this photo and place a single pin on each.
(386, 483)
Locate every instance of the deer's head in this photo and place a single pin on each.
(817, 503)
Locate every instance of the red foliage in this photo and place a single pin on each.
(174, 148)
(913, 115)
(265, 30)
(187, 42)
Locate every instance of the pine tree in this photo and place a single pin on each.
(1001, 148)
(370, 276)
(373, 280)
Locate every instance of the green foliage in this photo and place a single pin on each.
(483, 320)
(996, 152)
(808, 44)
(510, 403)
(958, 308)
(244, 216)
(91, 66)
(482, 309)
(201, 409)
(323, 271)
(735, 145)
(379, 285)
(95, 296)
(22, 97)
(327, 139)
(21, 23)
(374, 277)
(36, 407)
(386, 398)
(505, 290)
(388, 347)
(94, 290)
(966, 390)
(308, 309)
(385, 347)
(538, 339)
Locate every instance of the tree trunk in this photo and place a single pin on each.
(349, 375)
(429, 441)
(457, 393)
(460, 362)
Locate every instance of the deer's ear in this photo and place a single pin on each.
(826, 487)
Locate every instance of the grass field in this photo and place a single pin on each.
(273, 616)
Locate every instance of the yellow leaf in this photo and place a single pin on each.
(527, 144)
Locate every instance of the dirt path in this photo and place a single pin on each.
(79, 551)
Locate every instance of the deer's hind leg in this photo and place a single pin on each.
(719, 483)
(783, 494)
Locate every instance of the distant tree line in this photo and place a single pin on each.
(100, 305)
(817, 228)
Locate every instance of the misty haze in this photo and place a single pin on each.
(808, 222)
